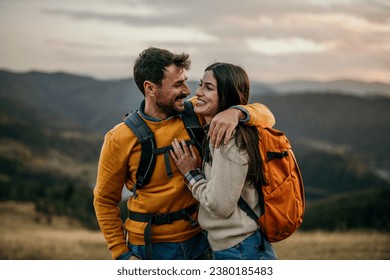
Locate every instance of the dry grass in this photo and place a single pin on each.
(356, 245)
(22, 236)
(25, 235)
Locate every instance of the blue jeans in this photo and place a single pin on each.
(248, 249)
(196, 248)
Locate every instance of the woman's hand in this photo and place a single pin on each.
(184, 157)
(222, 126)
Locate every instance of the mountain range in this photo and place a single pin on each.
(350, 87)
(52, 126)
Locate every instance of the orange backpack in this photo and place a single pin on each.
(281, 193)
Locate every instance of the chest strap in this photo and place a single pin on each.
(161, 219)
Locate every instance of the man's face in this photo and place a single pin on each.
(174, 89)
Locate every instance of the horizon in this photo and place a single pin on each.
(191, 80)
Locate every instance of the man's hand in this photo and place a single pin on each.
(223, 125)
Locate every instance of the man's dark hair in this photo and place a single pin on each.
(151, 63)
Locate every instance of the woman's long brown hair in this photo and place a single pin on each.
(233, 89)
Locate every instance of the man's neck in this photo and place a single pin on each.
(153, 115)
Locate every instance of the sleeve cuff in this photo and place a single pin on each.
(192, 176)
(246, 113)
(118, 250)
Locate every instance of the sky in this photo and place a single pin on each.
(274, 40)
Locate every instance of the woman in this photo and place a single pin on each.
(228, 172)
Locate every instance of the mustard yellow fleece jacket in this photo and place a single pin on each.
(118, 164)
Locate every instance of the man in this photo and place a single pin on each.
(162, 212)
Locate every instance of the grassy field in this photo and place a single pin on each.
(25, 235)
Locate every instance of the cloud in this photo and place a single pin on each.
(284, 46)
(346, 22)
(145, 23)
(273, 39)
(328, 3)
(173, 34)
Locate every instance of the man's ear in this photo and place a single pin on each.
(150, 88)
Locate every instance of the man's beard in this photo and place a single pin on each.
(171, 109)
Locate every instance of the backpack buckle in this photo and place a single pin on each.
(188, 218)
(161, 219)
(138, 184)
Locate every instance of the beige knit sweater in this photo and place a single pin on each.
(218, 193)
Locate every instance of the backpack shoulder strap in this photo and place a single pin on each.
(249, 211)
(148, 145)
(193, 126)
(189, 116)
(149, 150)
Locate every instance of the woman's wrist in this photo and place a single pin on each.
(192, 176)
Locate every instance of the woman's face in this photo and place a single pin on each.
(207, 94)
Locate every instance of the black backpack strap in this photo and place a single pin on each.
(148, 145)
(193, 126)
(161, 219)
(147, 162)
(249, 211)
(165, 150)
(194, 130)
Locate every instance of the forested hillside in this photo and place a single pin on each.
(52, 128)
